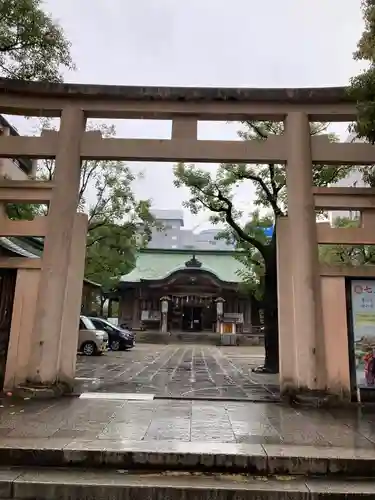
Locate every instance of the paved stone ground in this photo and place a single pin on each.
(105, 423)
(187, 372)
(121, 410)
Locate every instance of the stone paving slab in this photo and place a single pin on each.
(194, 457)
(109, 485)
(267, 424)
(255, 436)
(89, 484)
(183, 372)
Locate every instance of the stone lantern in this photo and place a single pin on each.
(219, 313)
(164, 304)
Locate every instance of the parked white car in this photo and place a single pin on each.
(91, 341)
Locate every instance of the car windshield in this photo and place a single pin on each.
(102, 323)
(114, 327)
(89, 325)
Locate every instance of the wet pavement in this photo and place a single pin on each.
(101, 422)
(124, 405)
(184, 372)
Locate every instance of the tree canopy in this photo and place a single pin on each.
(351, 255)
(363, 85)
(216, 193)
(118, 223)
(347, 255)
(32, 45)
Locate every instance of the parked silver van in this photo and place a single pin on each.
(91, 341)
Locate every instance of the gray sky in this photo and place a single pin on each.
(221, 43)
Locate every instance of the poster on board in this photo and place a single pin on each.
(363, 319)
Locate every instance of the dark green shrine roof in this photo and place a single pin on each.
(159, 264)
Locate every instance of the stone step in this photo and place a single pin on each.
(202, 338)
(187, 456)
(57, 484)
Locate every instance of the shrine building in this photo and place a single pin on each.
(185, 282)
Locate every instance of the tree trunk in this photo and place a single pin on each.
(271, 323)
(270, 310)
(109, 311)
(255, 311)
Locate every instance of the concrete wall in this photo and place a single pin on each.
(335, 328)
(21, 339)
(20, 363)
(336, 335)
(25, 340)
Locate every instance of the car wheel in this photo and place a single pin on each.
(88, 348)
(115, 345)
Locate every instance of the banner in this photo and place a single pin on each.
(363, 319)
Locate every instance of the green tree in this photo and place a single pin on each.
(21, 211)
(347, 255)
(363, 85)
(32, 45)
(118, 223)
(351, 255)
(216, 194)
(252, 272)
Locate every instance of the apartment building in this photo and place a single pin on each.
(17, 169)
(171, 234)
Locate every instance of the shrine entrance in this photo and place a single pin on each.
(309, 327)
(192, 319)
(194, 313)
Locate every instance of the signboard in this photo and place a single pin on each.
(268, 231)
(150, 315)
(363, 319)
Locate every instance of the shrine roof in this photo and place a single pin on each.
(159, 264)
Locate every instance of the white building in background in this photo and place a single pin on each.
(353, 179)
(172, 234)
(17, 169)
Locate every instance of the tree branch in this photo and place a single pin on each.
(229, 218)
(257, 130)
(97, 225)
(15, 46)
(275, 189)
(252, 261)
(86, 174)
(335, 173)
(101, 203)
(100, 238)
(233, 224)
(271, 199)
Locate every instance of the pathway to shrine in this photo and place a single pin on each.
(179, 372)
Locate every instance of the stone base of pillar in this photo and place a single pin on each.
(315, 398)
(33, 391)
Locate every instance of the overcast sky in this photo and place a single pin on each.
(221, 43)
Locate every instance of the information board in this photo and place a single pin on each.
(363, 321)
